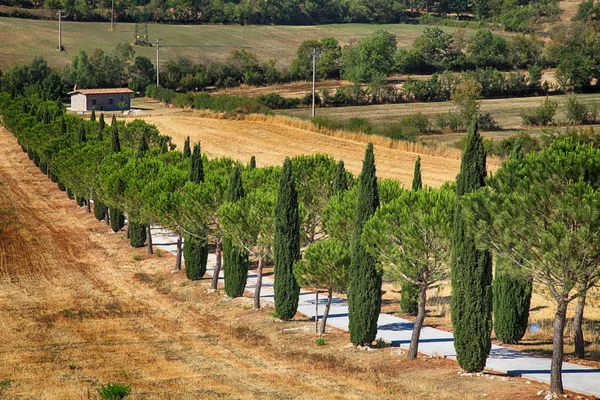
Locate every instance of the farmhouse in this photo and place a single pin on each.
(101, 99)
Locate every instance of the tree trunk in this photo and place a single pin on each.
(578, 327)
(179, 253)
(217, 271)
(258, 284)
(317, 312)
(326, 312)
(416, 333)
(106, 217)
(88, 206)
(149, 239)
(556, 384)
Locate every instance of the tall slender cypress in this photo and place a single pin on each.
(101, 125)
(186, 148)
(195, 253)
(286, 245)
(409, 297)
(99, 209)
(195, 250)
(196, 167)
(471, 268)
(137, 234)
(364, 289)
(512, 294)
(117, 219)
(81, 137)
(252, 162)
(164, 147)
(142, 147)
(340, 183)
(235, 259)
(115, 143)
(93, 116)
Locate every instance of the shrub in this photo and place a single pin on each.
(577, 112)
(415, 123)
(114, 391)
(275, 101)
(137, 234)
(358, 125)
(543, 115)
(195, 253)
(321, 341)
(488, 123)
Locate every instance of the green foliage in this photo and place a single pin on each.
(339, 215)
(371, 59)
(542, 115)
(577, 113)
(100, 209)
(512, 297)
(235, 261)
(320, 341)
(340, 182)
(196, 165)
(115, 143)
(553, 200)
(471, 303)
(286, 245)
(252, 162)
(325, 266)
(186, 148)
(117, 219)
(364, 289)
(195, 253)
(114, 391)
(101, 125)
(137, 234)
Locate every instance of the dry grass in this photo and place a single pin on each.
(272, 138)
(76, 311)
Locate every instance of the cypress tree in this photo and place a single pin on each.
(70, 194)
(417, 183)
(115, 144)
(63, 126)
(252, 162)
(236, 263)
(93, 116)
(142, 147)
(164, 147)
(117, 219)
(81, 138)
(99, 209)
(512, 294)
(364, 289)
(195, 253)
(186, 148)
(195, 250)
(137, 234)
(196, 167)
(512, 297)
(101, 125)
(409, 296)
(471, 268)
(340, 183)
(80, 201)
(286, 245)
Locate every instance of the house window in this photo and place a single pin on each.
(110, 101)
(93, 102)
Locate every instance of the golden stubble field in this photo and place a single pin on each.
(273, 139)
(77, 310)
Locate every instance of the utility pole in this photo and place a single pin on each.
(112, 16)
(314, 57)
(60, 48)
(157, 62)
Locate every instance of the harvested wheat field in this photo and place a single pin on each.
(271, 139)
(77, 310)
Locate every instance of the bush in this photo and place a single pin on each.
(114, 391)
(577, 112)
(543, 115)
(195, 253)
(117, 219)
(488, 123)
(275, 101)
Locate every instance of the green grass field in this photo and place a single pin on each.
(25, 39)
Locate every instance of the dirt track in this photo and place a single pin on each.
(271, 143)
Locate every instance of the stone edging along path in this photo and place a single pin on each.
(397, 331)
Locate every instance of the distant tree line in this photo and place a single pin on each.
(518, 16)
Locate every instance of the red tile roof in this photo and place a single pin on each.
(102, 91)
